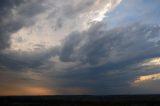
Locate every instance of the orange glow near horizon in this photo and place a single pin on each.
(39, 91)
(27, 91)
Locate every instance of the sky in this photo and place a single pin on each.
(79, 47)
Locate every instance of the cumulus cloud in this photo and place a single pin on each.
(61, 47)
(100, 57)
(93, 62)
(114, 46)
(30, 30)
(60, 16)
(13, 18)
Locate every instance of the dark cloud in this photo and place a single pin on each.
(115, 45)
(99, 59)
(14, 15)
(26, 60)
(118, 51)
(69, 45)
(11, 22)
(33, 9)
(6, 25)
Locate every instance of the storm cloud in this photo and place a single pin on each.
(79, 47)
(14, 17)
(100, 52)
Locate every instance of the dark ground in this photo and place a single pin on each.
(125, 100)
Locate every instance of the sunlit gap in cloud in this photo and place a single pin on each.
(99, 15)
(147, 78)
(152, 62)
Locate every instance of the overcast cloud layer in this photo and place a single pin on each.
(79, 47)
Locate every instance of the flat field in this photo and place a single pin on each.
(116, 100)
